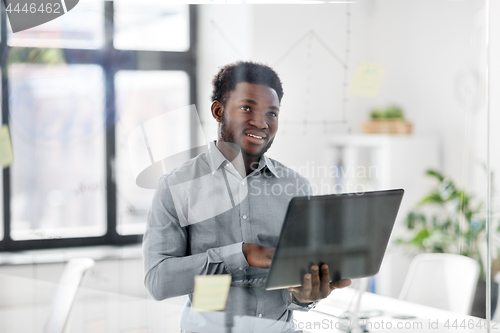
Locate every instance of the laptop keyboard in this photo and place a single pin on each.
(255, 282)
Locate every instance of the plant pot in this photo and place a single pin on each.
(385, 126)
(479, 303)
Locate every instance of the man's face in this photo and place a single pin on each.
(250, 118)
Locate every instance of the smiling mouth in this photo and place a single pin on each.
(255, 136)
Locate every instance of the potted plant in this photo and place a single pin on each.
(387, 121)
(448, 221)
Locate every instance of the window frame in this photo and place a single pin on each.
(111, 60)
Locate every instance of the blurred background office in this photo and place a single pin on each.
(377, 93)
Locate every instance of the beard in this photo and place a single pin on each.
(228, 137)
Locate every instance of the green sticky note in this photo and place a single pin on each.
(367, 80)
(210, 292)
(6, 154)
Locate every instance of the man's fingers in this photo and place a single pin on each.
(270, 252)
(307, 285)
(315, 277)
(325, 279)
(257, 255)
(265, 262)
(340, 284)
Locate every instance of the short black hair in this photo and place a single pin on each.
(230, 75)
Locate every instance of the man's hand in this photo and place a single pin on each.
(258, 256)
(315, 288)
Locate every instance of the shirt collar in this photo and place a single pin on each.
(216, 159)
(269, 164)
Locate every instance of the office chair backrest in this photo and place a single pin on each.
(66, 292)
(442, 280)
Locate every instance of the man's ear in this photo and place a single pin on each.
(217, 109)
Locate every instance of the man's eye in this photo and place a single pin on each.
(273, 114)
(245, 108)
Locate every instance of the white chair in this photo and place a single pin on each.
(442, 280)
(66, 292)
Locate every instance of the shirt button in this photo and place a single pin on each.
(260, 315)
(244, 217)
(243, 183)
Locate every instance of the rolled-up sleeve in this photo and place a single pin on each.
(169, 270)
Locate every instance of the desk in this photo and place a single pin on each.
(25, 305)
(325, 317)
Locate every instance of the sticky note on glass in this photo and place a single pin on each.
(6, 155)
(367, 80)
(210, 292)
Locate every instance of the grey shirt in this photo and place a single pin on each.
(200, 216)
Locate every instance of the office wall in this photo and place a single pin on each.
(433, 53)
(426, 47)
(430, 50)
(224, 36)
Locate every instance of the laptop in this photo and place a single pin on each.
(349, 232)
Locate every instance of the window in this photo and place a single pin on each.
(151, 26)
(154, 93)
(74, 89)
(57, 128)
(71, 30)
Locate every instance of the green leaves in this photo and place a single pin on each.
(445, 220)
(391, 112)
(420, 238)
(435, 174)
(377, 114)
(434, 197)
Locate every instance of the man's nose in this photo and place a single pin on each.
(258, 120)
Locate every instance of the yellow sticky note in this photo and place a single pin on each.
(6, 155)
(367, 80)
(210, 292)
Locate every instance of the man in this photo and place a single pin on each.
(221, 212)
